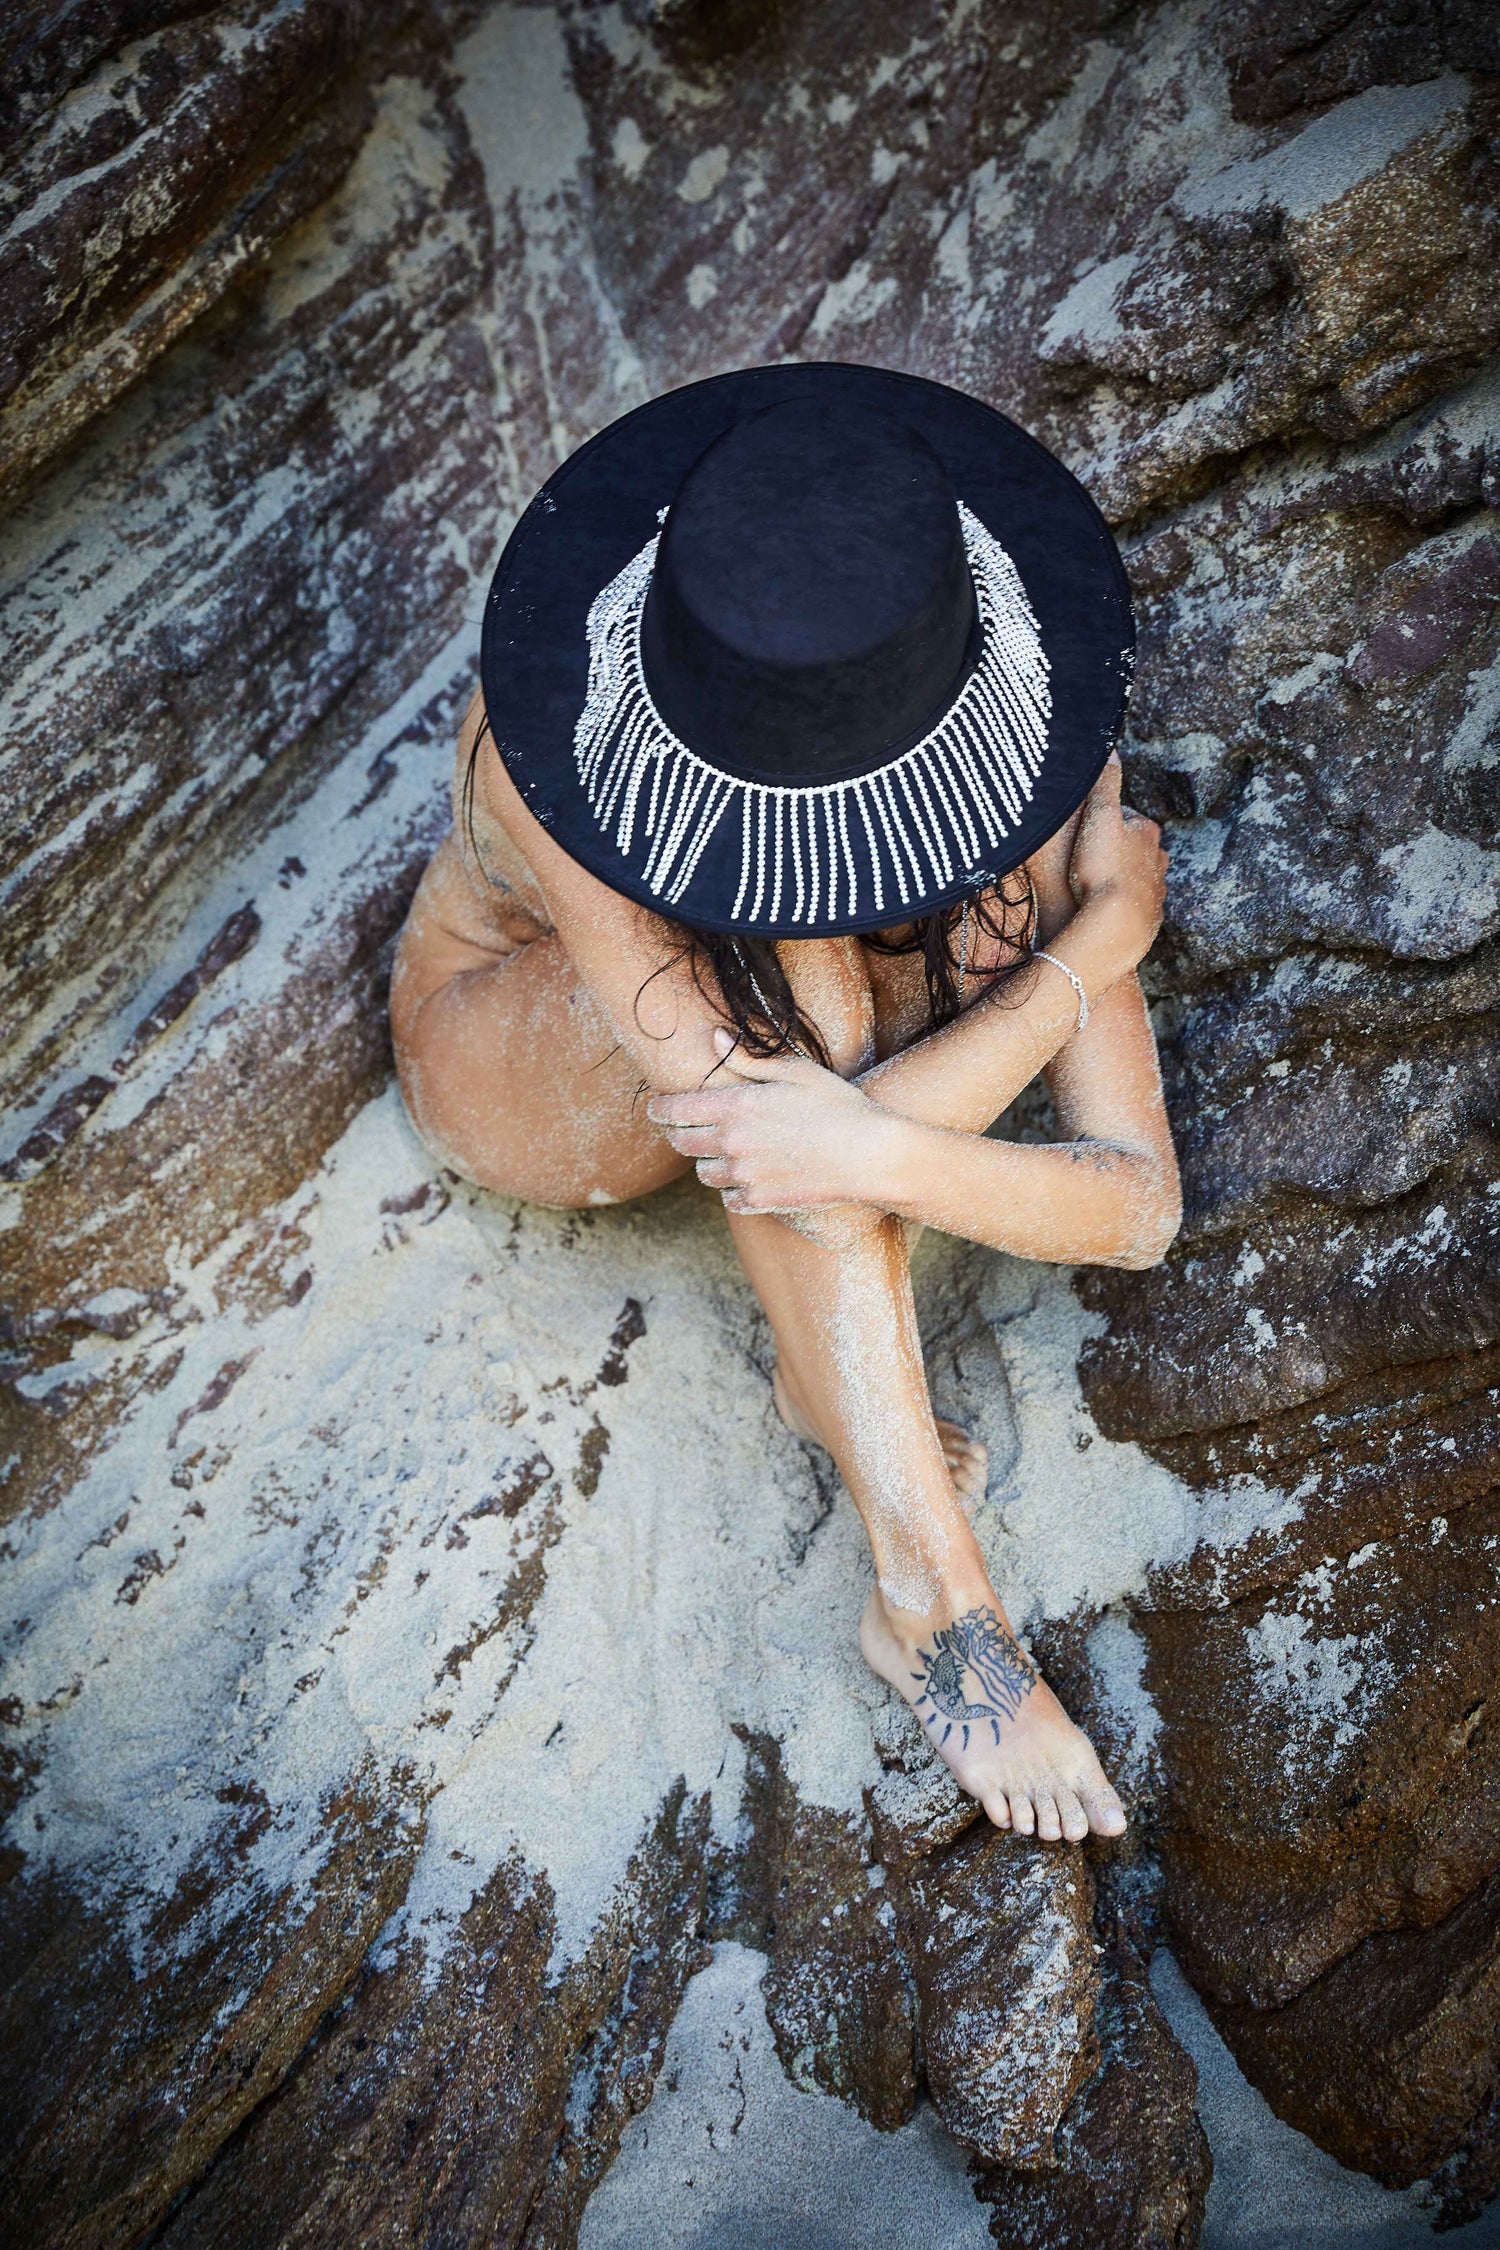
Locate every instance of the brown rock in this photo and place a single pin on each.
(1304, 1081)
(1130, 2163)
(1466, 2181)
(257, 1079)
(1391, 2058)
(479, 2105)
(1314, 792)
(916, 1806)
(127, 2067)
(1330, 284)
(149, 193)
(1331, 1757)
(808, 1889)
(1001, 1939)
(1235, 1330)
(304, 431)
(1298, 54)
(1377, 1459)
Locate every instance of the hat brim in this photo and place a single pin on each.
(602, 506)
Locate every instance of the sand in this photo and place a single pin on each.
(731, 2156)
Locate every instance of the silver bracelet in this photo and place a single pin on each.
(1076, 982)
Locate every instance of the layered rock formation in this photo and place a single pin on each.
(425, 1644)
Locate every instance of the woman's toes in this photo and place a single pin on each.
(967, 1461)
(1075, 1821)
(1048, 1821)
(998, 1808)
(1106, 1814)
(1022, 1815)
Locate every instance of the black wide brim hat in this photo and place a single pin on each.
(807, 650)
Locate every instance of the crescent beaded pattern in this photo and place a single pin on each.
(925, 818)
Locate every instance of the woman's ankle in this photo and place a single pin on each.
(955, 1588)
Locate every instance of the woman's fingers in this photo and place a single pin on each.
(1106, 790)
(698, 1142)
(702, 1107)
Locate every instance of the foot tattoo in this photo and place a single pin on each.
(975, 1647)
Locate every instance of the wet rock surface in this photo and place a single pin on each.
(124, 2084)
(227, 578)
(417, 1657)
(478, 2104)
(1129, 2162)
(1415, 2065)
(1002, 1939)
(155, 177)
(808, 1889)
(1359, 1794)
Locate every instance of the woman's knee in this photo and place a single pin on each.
(572, 1150)
(831, 984)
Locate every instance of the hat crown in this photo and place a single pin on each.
(811, 609)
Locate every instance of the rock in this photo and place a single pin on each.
(1001, 1938)
(1333, 1763)
(1303, 1081)
(1336, 1270)
(1391, 2057)
(807, 1889)
(916, 1806)
(1129, 2166)
(1220, 1335)
(476, 2099)
(1257, 725)
(1466, 2181)
(1331, 283)
(124, 2075)
(281, 1011)
(1377, 1459)
(1298, 54)
(312, 559)
(147, 195)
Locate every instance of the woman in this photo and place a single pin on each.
(788, 845)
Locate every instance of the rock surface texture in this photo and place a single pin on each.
(424, 1645)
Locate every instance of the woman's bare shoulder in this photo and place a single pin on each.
(490, 838)
(561, 886)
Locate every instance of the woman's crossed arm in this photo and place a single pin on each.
(781, 1134)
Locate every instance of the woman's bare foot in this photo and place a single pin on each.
(967, 1457)
(991, 1717)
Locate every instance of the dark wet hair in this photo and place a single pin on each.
(743, 977)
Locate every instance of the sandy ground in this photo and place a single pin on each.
(1273, 2189)
(731, 2156)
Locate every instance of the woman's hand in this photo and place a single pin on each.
(777, 1133)
(1118, 869)
(1048, 869)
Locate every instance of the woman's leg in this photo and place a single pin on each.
(513, 1076)
(846, 1338)
(511, 1072)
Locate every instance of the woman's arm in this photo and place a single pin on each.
(906, 1139)
(783, 1135)
(1099, 887)
(1105, 1193)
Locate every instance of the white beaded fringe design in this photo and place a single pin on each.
(925, 817)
